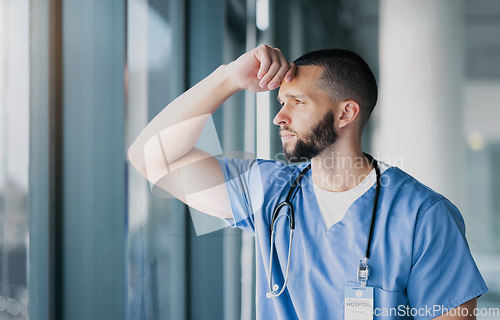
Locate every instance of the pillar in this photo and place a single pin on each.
(419, 116)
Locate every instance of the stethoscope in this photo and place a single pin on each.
(363, 271)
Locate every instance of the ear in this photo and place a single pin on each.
(349, 111)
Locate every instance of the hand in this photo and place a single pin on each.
(261, 69)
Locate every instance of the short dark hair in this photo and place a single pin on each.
(346, 76)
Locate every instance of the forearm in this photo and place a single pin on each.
(178, 126)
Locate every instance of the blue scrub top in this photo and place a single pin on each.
(420, 260)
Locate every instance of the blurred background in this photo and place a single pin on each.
(81, 235)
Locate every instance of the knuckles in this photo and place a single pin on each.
(268, 48)
(263, 47)
(277, 65)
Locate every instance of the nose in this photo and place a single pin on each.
(282, 117)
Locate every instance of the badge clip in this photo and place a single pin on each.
(363, 272)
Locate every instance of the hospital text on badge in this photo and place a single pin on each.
(358, 303)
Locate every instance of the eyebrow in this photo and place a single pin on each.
(294, 96)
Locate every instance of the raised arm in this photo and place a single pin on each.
(164, 151)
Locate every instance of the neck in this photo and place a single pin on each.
(340, 168)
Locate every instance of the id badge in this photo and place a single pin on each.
(358, 303)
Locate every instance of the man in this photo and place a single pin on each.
(420, 264)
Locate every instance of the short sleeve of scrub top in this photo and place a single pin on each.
(245, 181)
(443, 273)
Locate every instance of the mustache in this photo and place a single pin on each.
(287, 129)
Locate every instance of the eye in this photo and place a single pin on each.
(297, 101)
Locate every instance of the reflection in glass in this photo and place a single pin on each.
(155, 239)
(14, 132)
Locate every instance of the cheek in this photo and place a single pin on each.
(303, 129)
(308, 123)
(302, 121)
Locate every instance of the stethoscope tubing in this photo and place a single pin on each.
(291, 217)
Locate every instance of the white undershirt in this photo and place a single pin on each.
(334, 205)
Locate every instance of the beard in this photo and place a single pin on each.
(322, 136)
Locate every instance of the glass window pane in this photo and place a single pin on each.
(156, 253)
(14, 146)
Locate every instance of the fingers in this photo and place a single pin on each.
(291, 72)
(280, 74)
(263, 54)
(273, 67)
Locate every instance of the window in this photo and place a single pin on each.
(14, 146)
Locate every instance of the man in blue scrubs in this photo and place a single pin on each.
(421, 266)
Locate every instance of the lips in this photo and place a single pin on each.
(285, 136)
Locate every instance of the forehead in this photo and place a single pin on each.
(305, 82)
